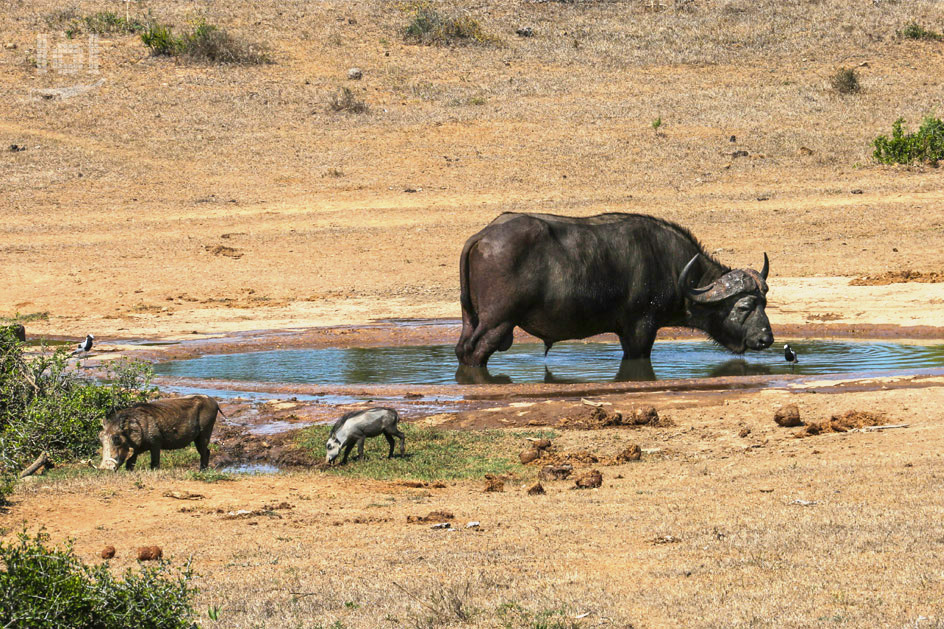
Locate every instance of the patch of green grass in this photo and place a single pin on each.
(513, 614)
(431, 454)
(430, 27)
(161, 41)
(109, 23)
(924, 145)
(916, 31)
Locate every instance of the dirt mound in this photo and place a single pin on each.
(899, 277)
(432, 516)
(598, 417)
(631, 453)
(494, 483)
(223, 250)
(844, 422)
(788, 416)
(556, 472)
(150, 553)
(590, 480)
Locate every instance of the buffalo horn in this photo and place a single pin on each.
(694, 294)
(766, 269)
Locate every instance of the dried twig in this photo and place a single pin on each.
(42, 460)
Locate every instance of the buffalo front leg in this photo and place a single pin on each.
(637, 341)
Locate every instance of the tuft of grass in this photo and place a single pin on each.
(846, 81)
(430, 27)
(916, 31)
(924, 145)
(110, 23)
(657, 123)
(206, 43)
(26, 317)
(344, 100)
(431, 454)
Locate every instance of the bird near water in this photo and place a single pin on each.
(85, 346)
(790, 356)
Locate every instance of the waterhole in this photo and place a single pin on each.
(566, 362)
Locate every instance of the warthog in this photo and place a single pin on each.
(167, 424)
(352, 428)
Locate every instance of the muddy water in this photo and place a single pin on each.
(567, 362)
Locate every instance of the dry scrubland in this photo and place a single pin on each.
(178, 197)
(184, 196)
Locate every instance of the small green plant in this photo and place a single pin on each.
(44, 586)
(916, 31)
(657, 123)
(109, 22)
(25, 318)
(214, 612)
(161, 41)
(345, 101)
(428, 26)
(846, 81)
(924, 145)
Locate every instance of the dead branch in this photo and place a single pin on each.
(42, 460)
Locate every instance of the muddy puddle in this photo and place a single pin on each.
(566, 363)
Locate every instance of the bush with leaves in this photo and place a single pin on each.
(46, 406)
(43, 586)
(206, 43)
(429, 26)
(924, 145)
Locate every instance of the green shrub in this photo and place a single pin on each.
(916, 31)
(206, 43)
(924, 145)
(43, 586)
(428, 26)
(161, 40)
(45, 406)
(109, 22)
(846, 81)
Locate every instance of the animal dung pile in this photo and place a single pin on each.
(556, 472)
(539, 448)
(536, 489)
(150, 553)
(632, 452)
(843, 422)
(494, 483)
(590, 480)
(432, 516)
(598, 417)
(108, 552)
(788, 416)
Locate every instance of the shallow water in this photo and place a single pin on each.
(567, 362)
(250, 468)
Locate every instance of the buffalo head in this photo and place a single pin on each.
(730, 309)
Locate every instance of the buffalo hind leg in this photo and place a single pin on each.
(496, 339)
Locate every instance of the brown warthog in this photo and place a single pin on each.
(167, 424)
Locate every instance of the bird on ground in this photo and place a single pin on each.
(85, 345)
(790, 355)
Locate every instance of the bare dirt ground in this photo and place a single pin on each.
(183, 201)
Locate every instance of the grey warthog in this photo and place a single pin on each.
(167, 424)
(351, 429)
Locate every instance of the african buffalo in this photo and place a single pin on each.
(561, 278)
(167, 424)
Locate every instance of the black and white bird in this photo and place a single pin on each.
(85, 345)
(790, 355)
